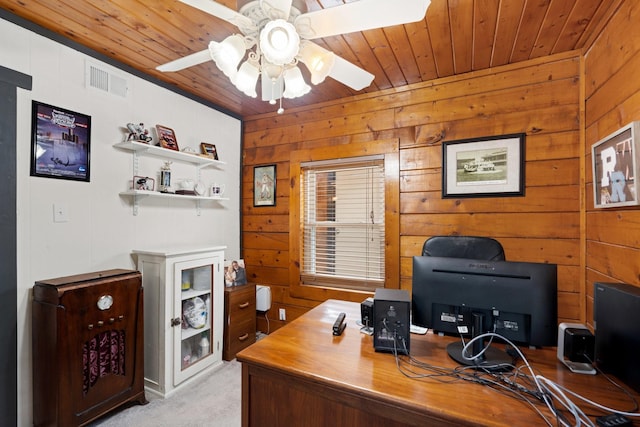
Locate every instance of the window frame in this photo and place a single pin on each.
(389, 149)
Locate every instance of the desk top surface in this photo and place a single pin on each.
(307, 349)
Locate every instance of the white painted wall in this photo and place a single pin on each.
(102, 231)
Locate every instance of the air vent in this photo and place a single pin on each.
(102, 80)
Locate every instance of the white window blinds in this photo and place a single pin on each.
(343, 222)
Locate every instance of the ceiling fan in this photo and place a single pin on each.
(276, 37)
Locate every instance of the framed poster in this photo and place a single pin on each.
(60, 143)
(615, 161)
(264, 185)
(483, 167)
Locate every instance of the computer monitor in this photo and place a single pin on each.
(459, 296)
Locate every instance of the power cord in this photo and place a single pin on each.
(267, 319)
(522, 383)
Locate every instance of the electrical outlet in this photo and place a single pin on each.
(283, 314)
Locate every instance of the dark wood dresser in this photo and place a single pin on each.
(88, 341)
(240, 319)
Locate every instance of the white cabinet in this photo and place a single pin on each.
(141, 148)
(183, 314)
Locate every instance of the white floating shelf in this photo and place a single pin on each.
(145, 193)
(141, 147)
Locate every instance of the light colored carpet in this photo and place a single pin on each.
(213, 400)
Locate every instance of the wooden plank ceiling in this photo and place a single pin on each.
(455, 37)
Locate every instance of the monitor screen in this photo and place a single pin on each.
(517, 300)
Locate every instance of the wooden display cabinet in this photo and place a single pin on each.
(87, 346)
(240, 319)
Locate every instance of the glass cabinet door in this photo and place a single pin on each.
(193, 319)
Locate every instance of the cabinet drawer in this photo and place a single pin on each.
(240, 340)
(242, 314)
(241, 300)
(238, 329)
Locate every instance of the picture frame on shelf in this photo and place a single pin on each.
(167, 138)
(60, 143)
(264, 185)
(492, 166)
(165, 177)
(615, 160)
(235, 273)
(209, 150)
(143, 183)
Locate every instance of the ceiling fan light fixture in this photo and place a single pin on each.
(247, 78)
(279, 42)
(294, 84)
(228, 54)
(272, 72)
(319, 61)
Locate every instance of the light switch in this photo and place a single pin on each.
(60, 212)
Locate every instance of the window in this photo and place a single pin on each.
(342, 222)
(323, 276)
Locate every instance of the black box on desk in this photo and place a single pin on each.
(616, 320)
(391, 320)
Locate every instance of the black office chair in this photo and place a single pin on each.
(471, 247)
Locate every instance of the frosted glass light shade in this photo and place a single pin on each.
(228, 54)
(279, 42)
(247, 78)
(318, 60)
(294, 84)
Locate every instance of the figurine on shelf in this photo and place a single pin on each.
(137, 132)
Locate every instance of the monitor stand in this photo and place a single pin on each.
(492, 359)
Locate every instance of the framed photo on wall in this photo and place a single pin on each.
(60, 143)
(484, 167)
(264, 185)
(615, 160)
(167, 138)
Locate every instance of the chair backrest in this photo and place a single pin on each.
(471, 247)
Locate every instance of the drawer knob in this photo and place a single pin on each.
(244, 305)
(243, 337)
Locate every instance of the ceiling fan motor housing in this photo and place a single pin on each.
(279, 42)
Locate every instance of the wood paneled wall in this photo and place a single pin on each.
(541, 98)
(612, 91)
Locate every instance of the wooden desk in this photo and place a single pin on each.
(302, 375)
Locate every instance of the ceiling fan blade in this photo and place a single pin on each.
(186, 61)
(222, 12)
(350, 74)
(276, 9)
(359, 16)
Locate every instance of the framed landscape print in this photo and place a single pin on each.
(60, 143)
(483, 167)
